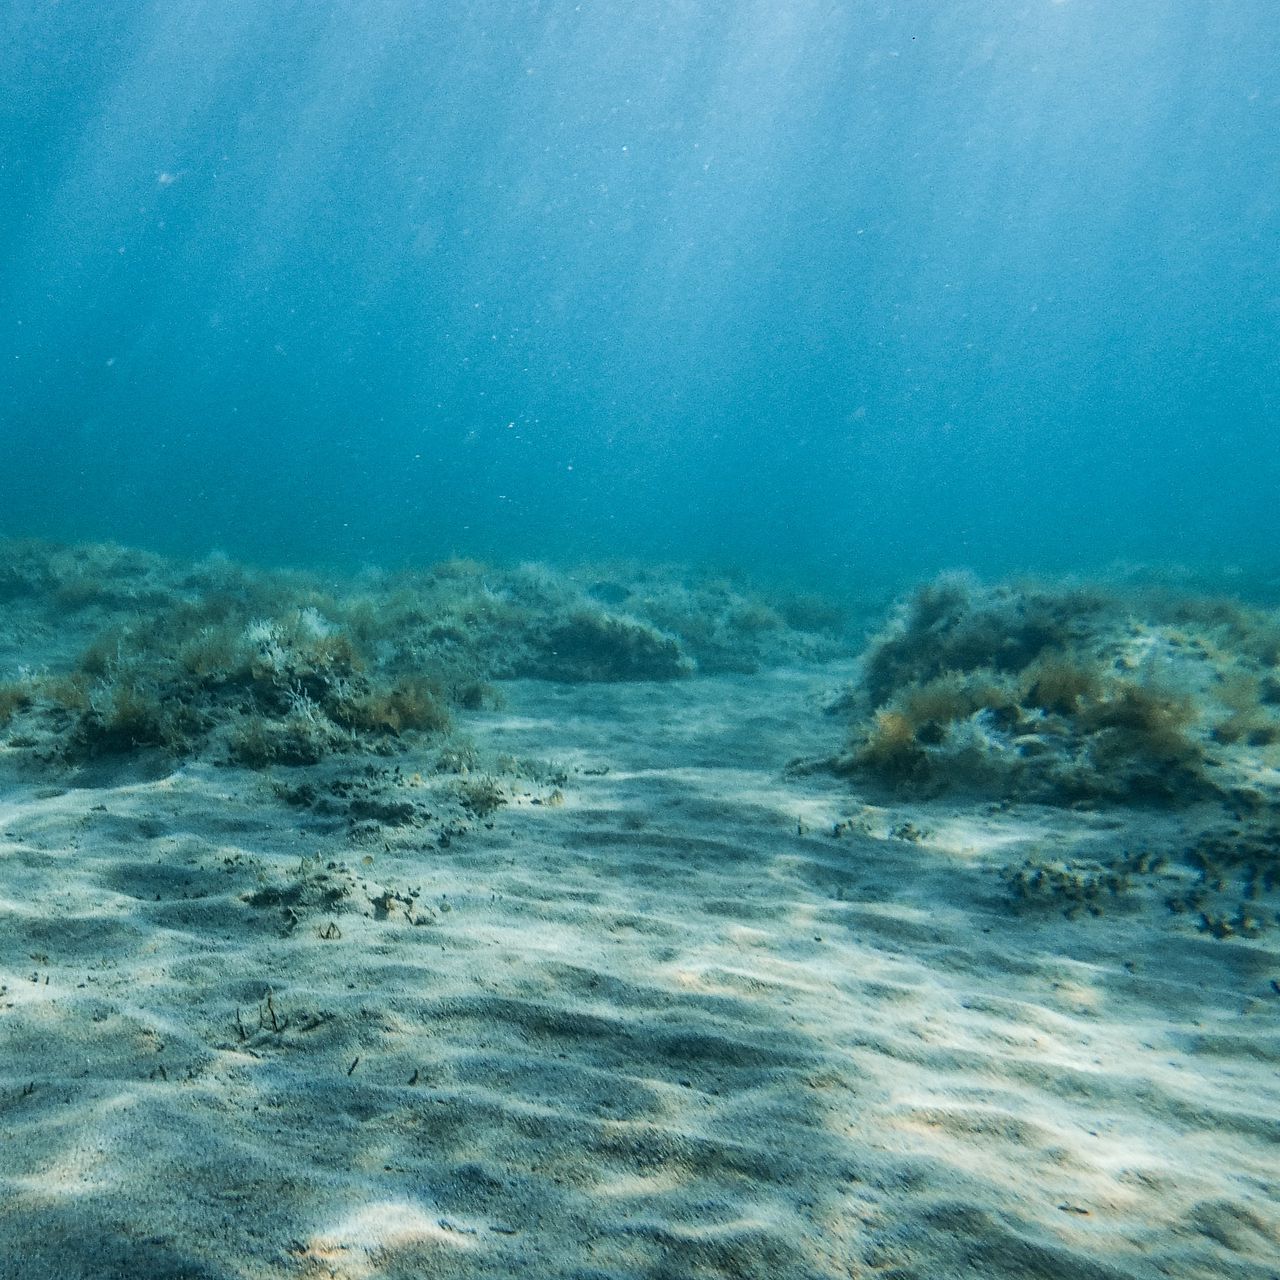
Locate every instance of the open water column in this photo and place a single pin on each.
(821, 284)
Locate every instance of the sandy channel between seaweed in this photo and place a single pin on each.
(660, 1021)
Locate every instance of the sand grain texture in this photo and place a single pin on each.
(673, 1026)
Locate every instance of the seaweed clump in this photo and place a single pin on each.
(1237, 879)
(592, 646)
(955, 625)
(1073, 886)
(212, 672)
(1058, 694)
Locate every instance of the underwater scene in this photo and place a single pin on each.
(639, 642)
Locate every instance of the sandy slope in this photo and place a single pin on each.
(671, 1026)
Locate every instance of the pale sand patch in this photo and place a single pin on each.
(691, 1019)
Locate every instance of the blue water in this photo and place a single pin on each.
(835, 289)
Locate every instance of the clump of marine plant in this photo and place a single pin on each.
(14, 697)
(1062, 694)
(289, 687)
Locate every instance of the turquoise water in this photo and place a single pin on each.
(835, 290)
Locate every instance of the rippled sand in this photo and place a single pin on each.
(666, 1018)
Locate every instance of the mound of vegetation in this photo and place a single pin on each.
(1064, 693)
(111, 651)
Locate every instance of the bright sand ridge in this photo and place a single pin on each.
(671, 1027)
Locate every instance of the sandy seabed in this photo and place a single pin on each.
(671, 1014)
